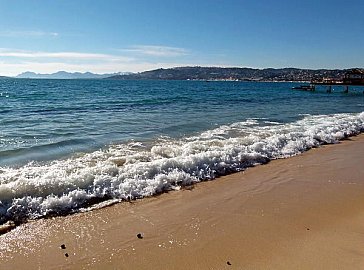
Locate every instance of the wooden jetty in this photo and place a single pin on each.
(354, 77)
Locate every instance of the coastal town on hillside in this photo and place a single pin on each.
(215, 74)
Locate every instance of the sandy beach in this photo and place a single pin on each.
(305, 212)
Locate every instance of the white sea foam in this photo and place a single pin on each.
(130, 171)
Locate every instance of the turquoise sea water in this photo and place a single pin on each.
(65, 144)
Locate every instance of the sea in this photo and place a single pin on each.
(74, 145)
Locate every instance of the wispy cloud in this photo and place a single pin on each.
(4, 52)
(160, 51)
(15, 61)
(10, 33)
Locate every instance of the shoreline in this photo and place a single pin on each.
(304, 212)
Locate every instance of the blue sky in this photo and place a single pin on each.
(105, 36)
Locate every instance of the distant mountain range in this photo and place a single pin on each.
(67, 75)
(241, 74)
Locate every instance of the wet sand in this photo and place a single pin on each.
(305, 212)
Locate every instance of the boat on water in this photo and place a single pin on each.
(304, 87)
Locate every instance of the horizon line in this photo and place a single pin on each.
(187, 66)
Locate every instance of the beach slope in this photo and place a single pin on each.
(304, 212)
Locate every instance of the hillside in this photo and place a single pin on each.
(243, 74)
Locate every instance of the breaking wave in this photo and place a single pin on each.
(135, 170)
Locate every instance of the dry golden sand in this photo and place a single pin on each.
(305, 212)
